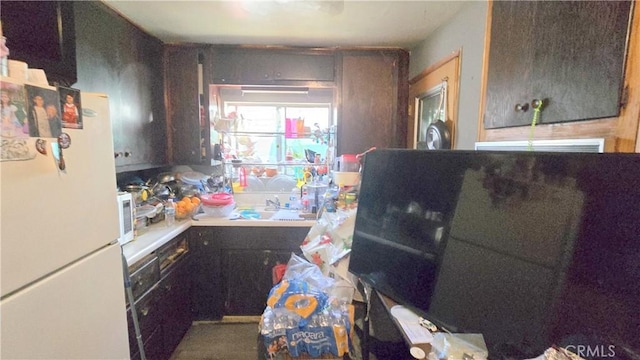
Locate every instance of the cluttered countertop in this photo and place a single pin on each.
(195, 199)
(156, 235)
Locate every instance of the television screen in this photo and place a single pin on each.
(529, 249)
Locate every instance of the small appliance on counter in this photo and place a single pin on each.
(126, 215)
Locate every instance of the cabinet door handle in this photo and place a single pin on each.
(537, 103)
(522, 107)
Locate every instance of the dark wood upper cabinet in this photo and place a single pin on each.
(118, 59)
(257, 66)
(183, 103)
(372, 105)
(570, 54)
(42, 34)
(370, 86)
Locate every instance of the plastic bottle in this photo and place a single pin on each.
(292, 321)
(294, 199)
(169, 212)
(342, 197)
(266, 328)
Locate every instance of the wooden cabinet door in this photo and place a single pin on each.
(183, 108)
(207, 285)
(176, 304)
(248, 279)
(570, 54)
(271, 66)
(125, 63)
(372, 100)
(232, 267)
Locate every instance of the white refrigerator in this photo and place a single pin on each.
(61, 270)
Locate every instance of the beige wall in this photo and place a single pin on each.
(465, 32)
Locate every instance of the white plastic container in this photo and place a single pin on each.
(217, 205)
(218, 210)
(347, 178)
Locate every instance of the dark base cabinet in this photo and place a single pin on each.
(164, 310)
(153, 347)
(233, 267)
(175, 306)
(248, 278)
(149, 322)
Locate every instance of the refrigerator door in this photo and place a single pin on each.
(78, 312)
(51, 217)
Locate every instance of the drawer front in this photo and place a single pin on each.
(149, 316)
(145, 277)
(169, 254)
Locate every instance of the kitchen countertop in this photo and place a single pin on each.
(156, 235)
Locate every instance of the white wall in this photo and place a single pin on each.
(465, 32)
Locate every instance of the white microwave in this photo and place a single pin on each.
(126, 208)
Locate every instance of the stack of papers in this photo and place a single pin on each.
(410, 323)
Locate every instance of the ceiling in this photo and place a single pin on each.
(309, 23)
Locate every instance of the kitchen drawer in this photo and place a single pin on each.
(144, 274)
(171, 252)
(149, 316)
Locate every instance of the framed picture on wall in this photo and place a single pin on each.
(71, 108)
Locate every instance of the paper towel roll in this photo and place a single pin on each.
(18, 70)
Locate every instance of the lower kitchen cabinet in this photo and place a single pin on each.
(233, 266)
(207, 299)
(164, 308)
(153, 347)
(175, 306)
(247, 278)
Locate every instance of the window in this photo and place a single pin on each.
(289, 134)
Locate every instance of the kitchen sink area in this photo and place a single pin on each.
(250, 211)
(255, 210)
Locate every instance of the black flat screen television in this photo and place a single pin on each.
(529, 249)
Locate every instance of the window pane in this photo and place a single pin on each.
(258, 136)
